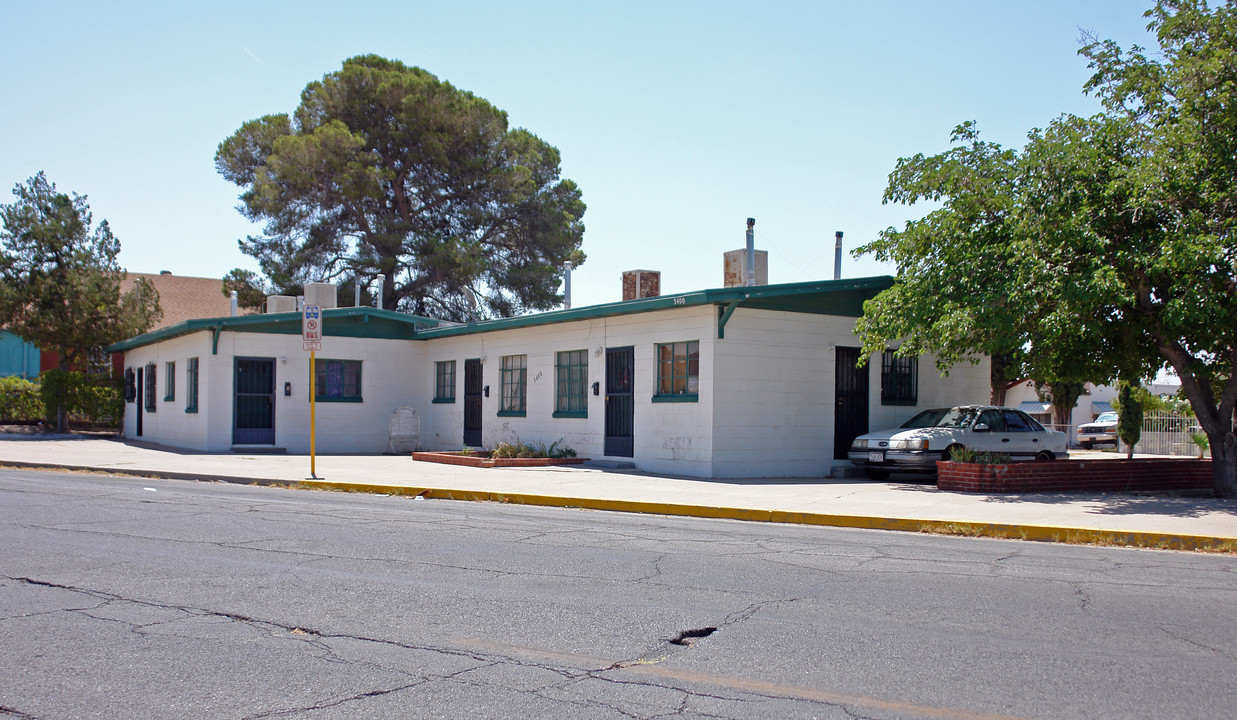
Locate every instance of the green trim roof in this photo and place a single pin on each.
(366, 322)
(821, 297)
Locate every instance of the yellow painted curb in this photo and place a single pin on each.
(1039, 533)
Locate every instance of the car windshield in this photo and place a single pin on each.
(942, 417)
(1107, 417)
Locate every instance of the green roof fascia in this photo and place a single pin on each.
(360, 322)
(822, 297)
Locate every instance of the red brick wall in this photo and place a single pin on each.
(1076, 476)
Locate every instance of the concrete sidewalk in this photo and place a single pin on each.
(910, 505)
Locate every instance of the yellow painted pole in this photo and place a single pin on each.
(313, 414)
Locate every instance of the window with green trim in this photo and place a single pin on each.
(169, 379)
(899, 379)
(338, 380)
(678, 371)
(571, 384)
(514, 374)
(444, 381)
(191, 385)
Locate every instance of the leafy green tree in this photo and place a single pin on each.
(385, 169)
(1129, 415)
(59, 280)
(1105, 247)
(966, 283)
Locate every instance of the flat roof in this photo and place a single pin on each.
(366, 322)
(821, 297)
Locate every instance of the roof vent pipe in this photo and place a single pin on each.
(356, 291)
(567, 285)
(837, 256)
(750, 280)
(382, 279)
(234, 303)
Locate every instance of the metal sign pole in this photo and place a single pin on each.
(311, 338)
(313, 414)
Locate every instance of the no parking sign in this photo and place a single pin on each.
(311, 327)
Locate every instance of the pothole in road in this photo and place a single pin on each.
(689, 637)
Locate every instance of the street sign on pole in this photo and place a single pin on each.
(311, 337)
(311, 328)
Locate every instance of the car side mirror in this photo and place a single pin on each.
(981, 427)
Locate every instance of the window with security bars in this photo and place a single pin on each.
(169, 379)
(678, 371)
(191, 385)
(514, 375)
(571, 384)
(149, 400)
(337, 380)
(899, 379)
(444, 381)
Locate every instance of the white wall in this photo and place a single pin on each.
(387, 382)
(765, 406)
(774, 390)
(170, 424)
(668, 437)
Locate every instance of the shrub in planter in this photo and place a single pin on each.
(973, 456)
(520, 449)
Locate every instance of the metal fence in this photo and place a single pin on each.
(1163, 433)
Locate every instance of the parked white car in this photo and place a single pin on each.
(934, 435)
(1102, 430)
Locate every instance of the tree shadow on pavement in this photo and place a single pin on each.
(1165, 504)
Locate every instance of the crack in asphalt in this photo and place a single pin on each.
(319, 640)
(1218, 651)
(1083, 596)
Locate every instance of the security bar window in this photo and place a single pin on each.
(899, 379)
(149, 394)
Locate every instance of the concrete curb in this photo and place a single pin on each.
(1038, 533)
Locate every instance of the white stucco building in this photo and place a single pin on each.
(733, 382)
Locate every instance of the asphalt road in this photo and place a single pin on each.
(136, 598)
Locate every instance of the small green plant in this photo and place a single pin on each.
(971, 455)
(1202, 442)
(20, 400)
(519, 449)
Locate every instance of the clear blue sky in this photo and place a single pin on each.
(678, 120)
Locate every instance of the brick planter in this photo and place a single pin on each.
(1076, 476)
(483, 461)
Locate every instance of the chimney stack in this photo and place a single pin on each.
(837, 256)
(639, 284)
(749, 277)
(567, 285)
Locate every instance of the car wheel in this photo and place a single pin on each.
(1045, 455)
(949, 451)
(876, 474)
(1085, 445)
